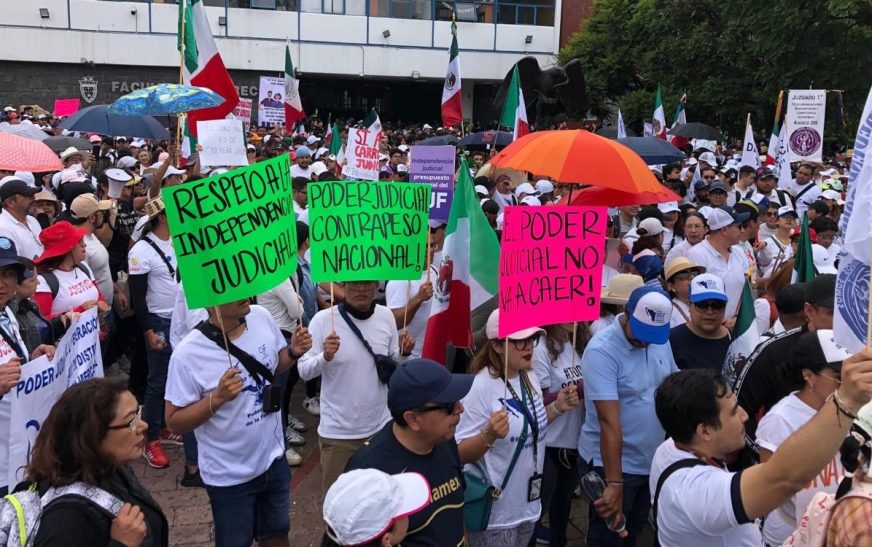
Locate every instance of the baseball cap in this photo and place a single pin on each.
(650, 227)
(422, 381)
(72, 175)
(403, 148)
(303, 151)
(700, 184)
(831, 194)
(681, 264)
(797, 231)
(531, 201)
(721, 218)
(173, 171)
(821, 291)
(427, 126)
(787, 210)
(709, 158)
(764, 173)
(648, 264)
(383, 157)
(669, 207)
(526, 188)
(718, 186)
(707, 287)
(492, 329)
(480, 190)
(823, 260)
(544, 186)
(9, 255)
(819, 348)
(318, 167)
(401, 168)
(86, 205)
(125, 162)
(312, 140)
(619, 289)
(137, 143)
(650, 311)
(363, 504)
(14, 186)
(95, 139)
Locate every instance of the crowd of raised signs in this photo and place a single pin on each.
(642, 411)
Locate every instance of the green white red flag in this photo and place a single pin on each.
(745, 336)
(659, 120)
(803, 260)
(293, 103)
(452, 98)
(680, 118)
(514, 113)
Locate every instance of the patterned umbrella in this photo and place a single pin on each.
(165, 100)
(21, 154)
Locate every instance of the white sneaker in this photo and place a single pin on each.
(312, 405)
(295, 423)
(294, 438)
(293, 457)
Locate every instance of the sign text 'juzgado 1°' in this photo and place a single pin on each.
(234, 234)
(551, 261)
(364, 231)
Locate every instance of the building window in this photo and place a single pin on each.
(405, 9)
(526, 12)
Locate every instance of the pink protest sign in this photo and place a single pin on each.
(551, 265)
(66, 107)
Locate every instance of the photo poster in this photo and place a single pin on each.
(271, 101)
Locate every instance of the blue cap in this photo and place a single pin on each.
(422, 381)
(707, 287)
(302, 151)
(649, 311)
(9, 255)
(648, 264)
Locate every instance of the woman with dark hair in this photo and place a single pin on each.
(814, 371)
(694, 230)
(90, 435)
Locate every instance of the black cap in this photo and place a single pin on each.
(817, 350)
(821, 291)
(422, 381)
(765, 172)
(790, 299)
(718, 186)
(16, 187)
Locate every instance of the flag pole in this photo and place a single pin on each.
(406, 308)
(332, 305)
(224, 334)
(778, 106)
(506, 370)
(183, 7)
(574, 335)
(428, 255)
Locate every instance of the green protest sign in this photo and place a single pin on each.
(365, 231)
(234, 234)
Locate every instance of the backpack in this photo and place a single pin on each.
(815, 523)
(20, 512)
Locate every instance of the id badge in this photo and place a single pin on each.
(534, 487)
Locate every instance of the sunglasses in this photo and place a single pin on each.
(714, 305)
(685, 276)
(448, 408)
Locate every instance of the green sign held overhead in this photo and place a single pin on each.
(234, 234)
(366, 231)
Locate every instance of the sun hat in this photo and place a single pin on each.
(619, 289)
(59, 239)
(70, 152)
(422, 381)
(680, 264)
(707, 287)
(492, 329)
(363, 504)
(649, 311)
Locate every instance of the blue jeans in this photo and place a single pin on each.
(158, 364)
(637, 503)
(256, 510)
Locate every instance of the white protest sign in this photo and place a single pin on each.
(806, 109)
(270, 101)
(362, 154)
(76, 360)
(223, 142)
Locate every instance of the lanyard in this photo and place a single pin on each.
(529, 415)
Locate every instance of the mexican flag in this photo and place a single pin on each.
(203, 65)
(372, 122)
(452, 98)
(293, 104)
(679, 118)
(745, 336)
(774, 139)
(803, 260)
(659, 116)
(514, 113)
(335, 139)
(467, 272)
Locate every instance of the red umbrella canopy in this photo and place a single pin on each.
(20, 154)
(613, 198)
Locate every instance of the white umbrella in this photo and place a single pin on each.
(26, 130)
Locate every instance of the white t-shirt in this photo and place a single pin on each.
(297, 171)
(732, 271)
(239, 442)
(397, 293)
(184, 318)
(75, 287)
(811, 192)
(553, 375)
(485, 397)
(696, 504)
(354, 402)
(162, 286)
(783, 420)
(284, 304)
(97, 256)
(6, 354)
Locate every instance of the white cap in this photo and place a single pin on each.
(829, 172)
(403, 148)
(831, 194)
(651, 225)
(525, 188)
(72, 175)
(823, 260)
(428, 126)
(531, 201)
(718, 218)
(321, 151)
(709, 158)
(383, 157)
(544, 186)
(692, 161)
(27, 177)
(364, 504)
(401, 168)
(480, 190)
(669, 207)
(492, 329)
(318, 167)
(312, 139)
(125, 162)
(705, 211)
(787, 210)
(707, 287)
(174, 171)
(137, 143)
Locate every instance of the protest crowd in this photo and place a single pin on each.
(486, 346)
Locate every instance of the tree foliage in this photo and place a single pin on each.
(731, 57)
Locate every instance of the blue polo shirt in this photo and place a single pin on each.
(614, 370)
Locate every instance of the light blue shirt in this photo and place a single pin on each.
(614, 370)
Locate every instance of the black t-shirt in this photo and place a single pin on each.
(441, 523)
(691, 351)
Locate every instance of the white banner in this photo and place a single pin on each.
(271, 101)
(362, 155)
(223, 143)
(806, 109)
(76, 359)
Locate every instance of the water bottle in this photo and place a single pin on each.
(594, 486)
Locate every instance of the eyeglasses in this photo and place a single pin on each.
(448, 408)
(836, 380)
(361, 285)
(685, 276)
(714, 305)
(524, 343)
(131, 424)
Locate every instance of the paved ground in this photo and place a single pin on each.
(190, 518)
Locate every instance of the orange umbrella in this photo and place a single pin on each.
(20, 154)
(579, 157)
(607, 197)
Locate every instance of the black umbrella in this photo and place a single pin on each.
(696, 130)
(60, 143)
(441, 140)
(483, 139)
(653, 150)
(611, 132)
(97, 119)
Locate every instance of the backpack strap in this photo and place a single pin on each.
(255, 368)
(160, 253)
(52, 280)
(680, 464)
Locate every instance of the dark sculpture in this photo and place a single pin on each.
(548, 93)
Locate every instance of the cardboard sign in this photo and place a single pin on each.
(242, 112)
(234, 234)
(78, 358)
(362, 154)
(365, 231)
(223, 142)
(270, 101)
(806, 109)
(434, 165)
(66, 107)
(551, 265)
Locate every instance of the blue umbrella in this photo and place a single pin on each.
(653, 150)
(484, 138)
(97, 119)
(441, 140)
(165, 100)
